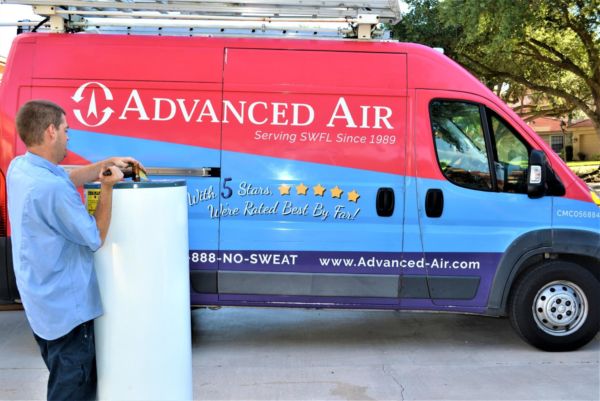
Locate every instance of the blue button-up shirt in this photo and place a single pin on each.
(53, 240)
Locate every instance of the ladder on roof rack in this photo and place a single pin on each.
(342, 18)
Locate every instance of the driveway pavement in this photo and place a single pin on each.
(283, 354)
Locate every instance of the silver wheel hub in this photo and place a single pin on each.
(560, 308)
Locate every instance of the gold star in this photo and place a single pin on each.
(301, 189)
(336, 192)
(319, 190)
(353, 196)
(284, 189)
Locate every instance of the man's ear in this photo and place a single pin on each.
(50, 133)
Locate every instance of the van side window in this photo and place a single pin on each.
(512, 157)
(460, 144)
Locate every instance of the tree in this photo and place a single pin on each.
(548, 50)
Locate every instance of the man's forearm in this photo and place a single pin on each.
(104, 210)
(91, 172)
(85, 174)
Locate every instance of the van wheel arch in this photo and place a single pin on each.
(587, 262)
(540, 257)
(536, 247)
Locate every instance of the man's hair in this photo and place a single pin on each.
(34, 117)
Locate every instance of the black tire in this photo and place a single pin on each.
(555, 306)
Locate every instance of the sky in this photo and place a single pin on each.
(12, 13)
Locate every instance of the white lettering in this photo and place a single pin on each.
(187, 116)
(259, 113)
(239, 115)
(365, 116)
(379, 118)
(251, 116)
(578, 214)
(139, 107)
(296, 110)
(211, 112)
(157, 114)
(346, 115)
(279, 113)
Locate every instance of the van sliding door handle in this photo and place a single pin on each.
(434, 202)
(385, 202)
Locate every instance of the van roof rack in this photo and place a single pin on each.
(343, 18)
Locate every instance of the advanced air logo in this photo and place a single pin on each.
(141, 106)
(86, 94)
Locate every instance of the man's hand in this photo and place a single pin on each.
(124, 162)
(91, 172)
(111, 179)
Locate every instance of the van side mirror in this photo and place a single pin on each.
(536, 174)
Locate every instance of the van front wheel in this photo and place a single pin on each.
(555, 306)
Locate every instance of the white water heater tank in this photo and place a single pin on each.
(143, 340)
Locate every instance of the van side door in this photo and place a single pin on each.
(310, 138)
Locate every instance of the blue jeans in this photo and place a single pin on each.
(71, 360)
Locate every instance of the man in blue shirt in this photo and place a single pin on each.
(53, 239)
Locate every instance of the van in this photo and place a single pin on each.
(330, 174)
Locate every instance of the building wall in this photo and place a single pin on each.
(586, 140)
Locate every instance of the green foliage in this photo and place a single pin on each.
(548, 49)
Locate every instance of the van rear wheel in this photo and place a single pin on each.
(555, 306)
